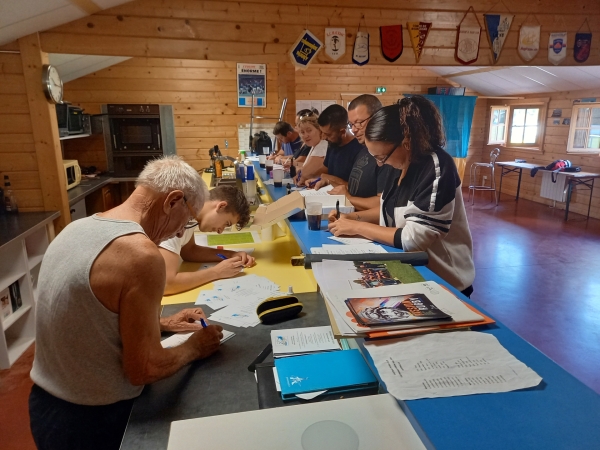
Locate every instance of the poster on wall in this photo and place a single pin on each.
(581, 50)
(391, 42)
(418, 32)
(557, 47)
(497, 27)
(252, 79)
(529, 41)
(467, 44)
(335, 42)
(305, 50)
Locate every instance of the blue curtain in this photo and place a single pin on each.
(457, 114)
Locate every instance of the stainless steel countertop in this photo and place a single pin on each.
(89, 185)
(14, 226)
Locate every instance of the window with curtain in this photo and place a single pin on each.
(498, 125)
(584, 134)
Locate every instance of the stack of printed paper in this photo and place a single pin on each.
(356, 249)
(448, 364)
(237, 299)
(440, 297)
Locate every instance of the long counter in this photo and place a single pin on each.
(559, 413)
(89, 185)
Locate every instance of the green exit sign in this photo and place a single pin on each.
(380, 90)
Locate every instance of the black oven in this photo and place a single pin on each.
(135, 134)
(135, 129)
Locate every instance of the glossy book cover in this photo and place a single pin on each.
(340, 371)
(393, 310)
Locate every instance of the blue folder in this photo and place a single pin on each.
(332, 371)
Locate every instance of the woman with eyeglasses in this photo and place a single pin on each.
(422, 209)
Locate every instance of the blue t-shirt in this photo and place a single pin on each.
(290, 148)
(340, 160)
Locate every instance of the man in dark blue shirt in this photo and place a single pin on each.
(343, 146)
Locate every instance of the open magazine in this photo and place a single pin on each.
(377, 311)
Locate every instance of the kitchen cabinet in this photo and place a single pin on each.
(78, 210)
(103, 199)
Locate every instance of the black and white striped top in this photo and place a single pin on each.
(428, 211)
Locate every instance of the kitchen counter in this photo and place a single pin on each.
(14, 226)
(89, 185)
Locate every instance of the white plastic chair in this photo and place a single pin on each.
(474, 172)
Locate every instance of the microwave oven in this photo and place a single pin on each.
(70, 119)
(72, 173)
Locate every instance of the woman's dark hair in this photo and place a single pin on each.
(415, 119)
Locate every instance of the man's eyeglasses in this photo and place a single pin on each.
(192, 222)
(359, 124)
(381, 159)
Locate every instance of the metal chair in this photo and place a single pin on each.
(473, 176)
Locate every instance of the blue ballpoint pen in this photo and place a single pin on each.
(220, 255)
(203, 323)
(312, 183)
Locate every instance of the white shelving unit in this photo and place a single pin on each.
(20, 261)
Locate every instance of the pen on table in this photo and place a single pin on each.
(203, 323)
(221, 255)
(337, 210)
(312, 183)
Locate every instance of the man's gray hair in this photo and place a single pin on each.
(171, 173)
(371, 102)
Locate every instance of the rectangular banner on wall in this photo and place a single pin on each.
(252, 79)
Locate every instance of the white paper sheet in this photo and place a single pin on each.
(369, 422)
(449, 364)
(314, 192)
(297, 341)
(350, 241)
(236, 299)
(179, 338)
(332, 249)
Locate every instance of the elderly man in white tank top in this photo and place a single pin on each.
(98, 326)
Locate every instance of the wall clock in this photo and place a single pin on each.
(52, 84)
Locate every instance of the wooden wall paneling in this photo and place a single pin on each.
(264, 30)
(17, 150)
(203, 95)
(554, 147)
(45, 132)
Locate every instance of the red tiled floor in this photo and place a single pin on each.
(537, 274)
(540, 276)
(15, 386)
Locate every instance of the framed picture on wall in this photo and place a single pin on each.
(252, 79)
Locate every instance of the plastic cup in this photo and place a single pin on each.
(262, 159)
(269, 164)
(314, 212)
(278, 177)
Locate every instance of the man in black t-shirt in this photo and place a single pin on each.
(343, 147)
(366, 178)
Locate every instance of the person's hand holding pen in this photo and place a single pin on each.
(229, 267)
(185, 320)
(315, 183)
(207, 340)
(247, 260)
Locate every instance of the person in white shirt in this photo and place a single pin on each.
(311, 135)
(226, 206)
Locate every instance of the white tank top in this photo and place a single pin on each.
(78, 351)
